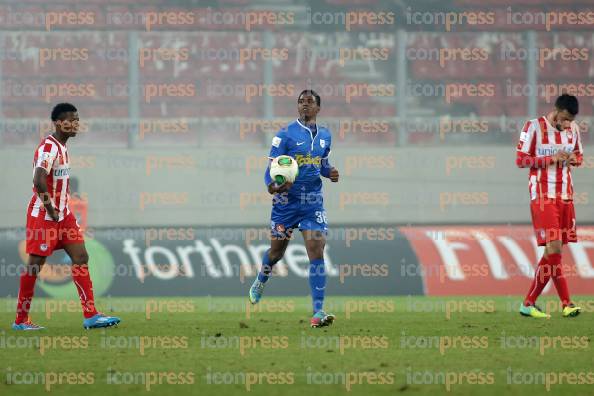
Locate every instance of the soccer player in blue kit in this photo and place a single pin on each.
(300, 204)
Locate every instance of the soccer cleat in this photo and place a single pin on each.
(571, 310)
(256, 291)
(321, 319)
(99, 321)
(26, 325)
(533, 311)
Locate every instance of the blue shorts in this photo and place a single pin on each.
(288, 216)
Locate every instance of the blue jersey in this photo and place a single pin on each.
(303, 205)
(310, 147)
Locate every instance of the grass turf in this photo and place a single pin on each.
(378, 345)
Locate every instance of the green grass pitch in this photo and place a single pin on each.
(377, 346)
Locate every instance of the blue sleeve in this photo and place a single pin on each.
(326, 167)
(279, 144)
(278, 147)
(267, 178)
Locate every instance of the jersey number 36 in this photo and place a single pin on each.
(321, 217)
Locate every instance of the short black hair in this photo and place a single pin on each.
(569, 103)
(312, 93)
(62, 108)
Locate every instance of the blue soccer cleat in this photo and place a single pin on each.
(26, 326)
(322, 319)
(256, 291)
(99, 321)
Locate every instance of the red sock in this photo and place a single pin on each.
(541, 278)
(26, 290)
(84, 286)
(559, 279)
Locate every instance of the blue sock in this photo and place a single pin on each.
(265, 269)
(317, 283)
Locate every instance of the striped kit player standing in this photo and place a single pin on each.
(550, 146)
(52, 226)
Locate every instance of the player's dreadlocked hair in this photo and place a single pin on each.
(569, 103)
(62, 108)
(312, 93)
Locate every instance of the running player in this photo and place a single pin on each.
(52, 226)
(301, 204)
(550, 146)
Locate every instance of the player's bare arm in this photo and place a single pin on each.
(40, 183)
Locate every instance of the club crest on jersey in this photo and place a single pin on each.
(322, 143)
(43, 247)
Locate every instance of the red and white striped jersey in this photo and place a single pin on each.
(539, 139)
(52, 156)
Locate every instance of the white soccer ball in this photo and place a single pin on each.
(283, 169)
